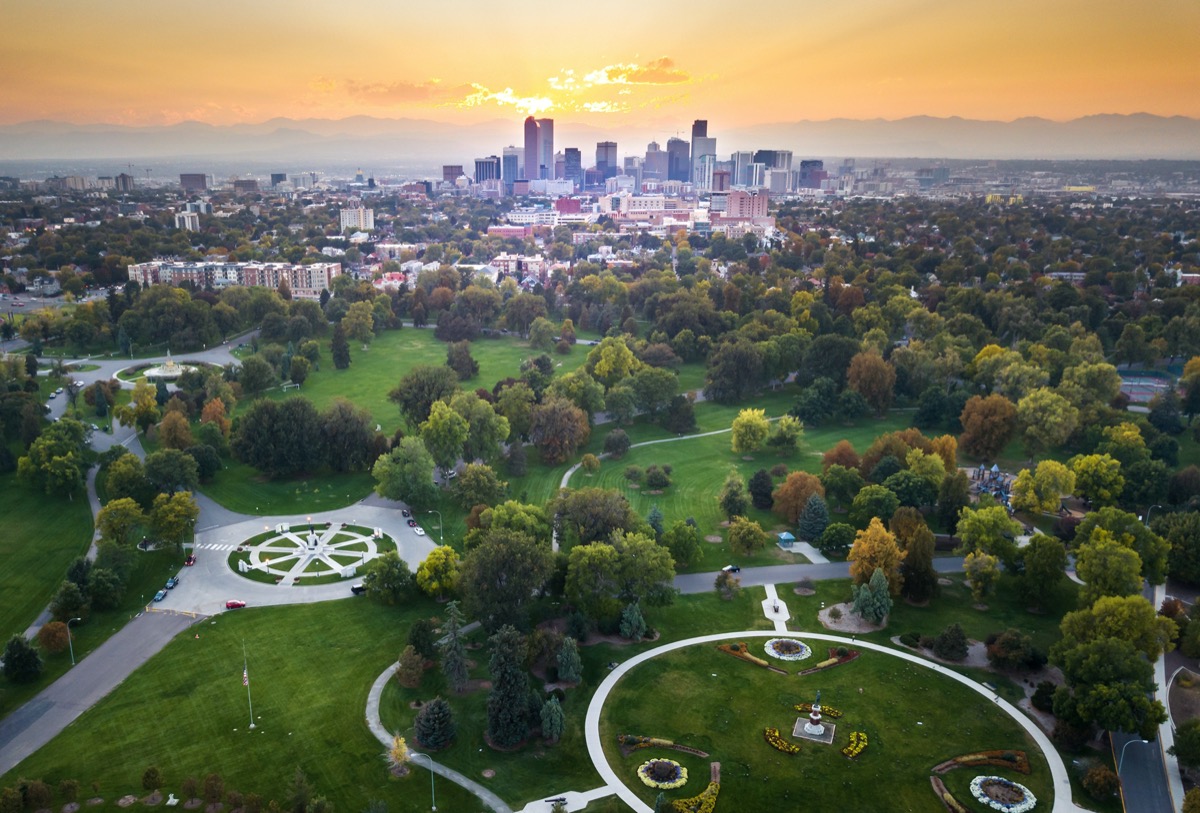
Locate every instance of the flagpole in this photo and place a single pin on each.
(246, 680)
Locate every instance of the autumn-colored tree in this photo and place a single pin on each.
(842, 454)
(1042, 489)
(872, 378)
(1047, 419)
(53, 637)
(893, 444)
(988, 425)
(558, 428)
(982, 571)
(946, 447)
(749, 431)
(214, 413)
(793, 493)
(1098, 478)
(174, 431)
(875, 547)
(746, 536)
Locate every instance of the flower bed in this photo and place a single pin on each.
(834, 659)
(826, 711)
(1014, 760)
(739, 650)
(779, 743)
(787, 649)
(664, 774)
(632, 742)
(706, 802)
(858, 744)
(1002, 794)
(947, 799)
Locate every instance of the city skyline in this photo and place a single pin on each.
(129, 62)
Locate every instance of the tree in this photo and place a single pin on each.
(786, 436)
(991, 530)
(633, 625)
(570, 667)
(954, 495)
(761, 486)
(500, 575)
(1109, 685)
(842, 484)
(388, 578)
(792, 496)
(142, 409)
(1108, 567)
(1047, 419)
(1182, 533)
(410, 668)
(1131, 619)
(746, 536)
(655, 520)
(735, 371)
(951, 643)
(733, 499)
(1130, 531)
(592, 514)
(54, 461)
(22, 663)
(486, 430)
(1044, 562)
(54, 637)
(874, 379)
(920, 579)
(507, 701)
(683, 541)
(339, 348)
(872, 601)
(152, 779)
(421, 638)
(873, 502)
(420, 388)
(435, 726)
(1042, 490)
(1191, 801)
(174, 432)
(616, 444)
(346, 436)
(988, 425)
(68, 602)
(118, 519)
(515, 403)
(454, 655)
(444, 433)
(359, 323)
(814, 519)
(750, 429)
(911, 489)
(171, 470)
(541, 332)
(653, 389)
(553, 721)
(406, 474)
(173, 517)
(875, 547)
(612, 361)
(437, 575)
(214, 413)
(1187, 744)
(558, 428)
(479, 485)
(982, 571)
(1098, 478)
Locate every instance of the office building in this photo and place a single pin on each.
(756, 174)
(699, 131)
(305, 281)
(245, 187)
(721, 180)
(451, 173)
(487, 169)
(703, 148)
(188, 221)
(200, 207)
(654, 165)
(123, 183)
(743, 204)
(606, 158)
(741, 163)
(277, 178)
(546, 148)
(573, 166)
(531, 149)
(510, 164)
(633, 168)
(812, 173)
(678, 160)
(357, 219)
(193, 181)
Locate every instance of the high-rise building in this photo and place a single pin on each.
(531, 149)
(741, 162)
(702, 147)
(188, 221)
(654, 165)
(703, 177)
(812, 173)
(545, 148)
(678, 159)
(193, 181)
(123, 183)
(487, 169)
(246, 186)
(746, 204)
(277, 178)
(573, 166)
(721, 180)
(756, 174)
(699, 130)
(359, 219)
(510, 165)
(451, 172)
(606, 158)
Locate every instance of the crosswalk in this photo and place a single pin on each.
(214, 546)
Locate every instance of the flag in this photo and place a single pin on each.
(245, 677)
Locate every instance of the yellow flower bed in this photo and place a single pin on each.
(706, 802)
(858, 744)
(826, 711)
(779, 743)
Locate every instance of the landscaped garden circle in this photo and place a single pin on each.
(1003, 794)
(912, 718)
(787, 649)
(664, 774)
(316, 553)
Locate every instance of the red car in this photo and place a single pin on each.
(190, 560)
(234, 604)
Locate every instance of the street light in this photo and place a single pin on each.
(1121, 759)
(69, 643)
(440, 523)
(1148, 510)
(432, 795)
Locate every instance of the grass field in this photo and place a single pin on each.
(242, 488)
(913, 720)
(41, 536)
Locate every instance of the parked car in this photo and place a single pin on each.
(54, 395)
(172, 582)
(234, 604)
(190, 560)
(404, 512)
(732, 569)
(412, 523)
(160, 595)
(419, 531)
(357, 589)
(58, 391)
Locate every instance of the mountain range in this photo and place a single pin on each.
(400, 145)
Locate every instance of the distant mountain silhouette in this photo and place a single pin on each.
(427, 143)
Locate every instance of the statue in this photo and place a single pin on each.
(814, 727)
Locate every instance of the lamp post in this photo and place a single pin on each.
(1148, 510)
(70, 644)
(432, 795)
(440, 523)
(1121, 759)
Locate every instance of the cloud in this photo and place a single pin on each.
(530, 105)
(661, 71)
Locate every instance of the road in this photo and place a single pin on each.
(786, 574)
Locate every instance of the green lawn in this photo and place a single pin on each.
(244, 489)
(913, 720)
(41, 536)
(185, 711)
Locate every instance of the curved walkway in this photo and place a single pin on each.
(1058, 770)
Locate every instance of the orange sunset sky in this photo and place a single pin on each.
(616, 62)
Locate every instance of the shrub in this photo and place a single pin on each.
(616, 443)
(835, 613)
(658, 477)
(951, 644)
(1101, 782)
(779, 470)
(911, 640)
(926, 642)
(634, 474)
(1043, 696)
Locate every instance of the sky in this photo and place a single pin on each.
(614, 63)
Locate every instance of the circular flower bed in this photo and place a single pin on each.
(664, 774)
(787, 649)
(1002, 794)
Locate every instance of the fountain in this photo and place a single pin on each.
(168, 371)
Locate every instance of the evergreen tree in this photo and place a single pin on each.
(761, 486)
(873, 600)
(732, 498)
(570, 667)
(507, 705)
(435, 726)
(951, 643)
(411, 668)
(920, 579)
(633, 625)
(340, 348)
(22, 663)
(813, 519)
(655, 520)
(552, 720)
(420, 637)
(454, 656)
(517, 459)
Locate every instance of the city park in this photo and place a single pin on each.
(734, 713)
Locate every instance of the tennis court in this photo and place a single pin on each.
(1141, 389)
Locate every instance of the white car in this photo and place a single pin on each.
(419, 531)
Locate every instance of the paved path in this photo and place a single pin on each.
(775, 610)
(688, 583)
(41, 719)
(1058, 771)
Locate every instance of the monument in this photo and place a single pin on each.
(813, 728)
